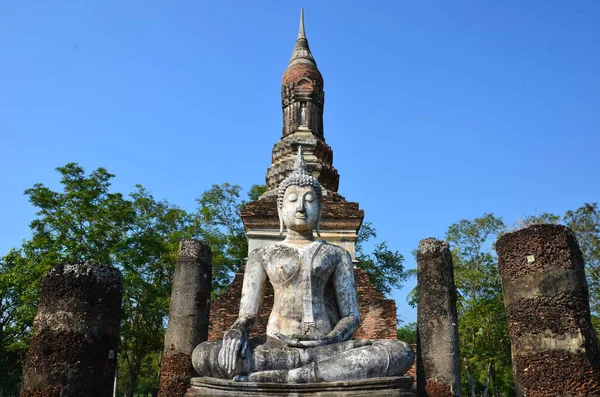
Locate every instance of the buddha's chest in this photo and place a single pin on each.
(289, 265)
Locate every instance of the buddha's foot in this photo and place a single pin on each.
(304, 374)
(273, 376)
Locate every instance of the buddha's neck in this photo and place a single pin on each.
(299, 238)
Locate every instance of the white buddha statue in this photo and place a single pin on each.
(315, 310)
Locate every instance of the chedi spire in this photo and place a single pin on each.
(302, 95)
(301, 53)
(302, 101)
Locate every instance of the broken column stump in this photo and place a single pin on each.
(553, 345)
(438, 355)
(76, 333)
(188, 317)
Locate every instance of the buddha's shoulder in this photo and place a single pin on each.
(279, 249)
(268, 250)
(332, 249)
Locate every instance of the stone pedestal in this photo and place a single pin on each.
(376, 387)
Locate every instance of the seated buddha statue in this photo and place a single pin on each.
(315, 310)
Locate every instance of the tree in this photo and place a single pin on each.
(82, 223)
(585, 223)
(539, 219)
(256, 191)
(408, 333)
(139, 236)
(222, 229)
(85, 221)
(147, 260)
(483, 331)
(384, 267)
(19, 284)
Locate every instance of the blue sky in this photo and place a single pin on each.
(436, 111)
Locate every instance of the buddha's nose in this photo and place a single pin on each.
(300, 207)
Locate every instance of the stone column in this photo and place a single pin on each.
(553, 345)
(188, 316)
(438, 356)
(76, 333)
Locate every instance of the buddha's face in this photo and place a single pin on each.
(300, 209)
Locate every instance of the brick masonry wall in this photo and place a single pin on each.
(378, 315)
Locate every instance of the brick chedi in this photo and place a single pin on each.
(302, 98)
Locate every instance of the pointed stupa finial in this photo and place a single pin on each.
(302, 52)
(300, 166)
(301, 33)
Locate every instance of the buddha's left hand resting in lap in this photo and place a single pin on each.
(315, 310)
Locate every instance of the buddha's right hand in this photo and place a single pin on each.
(234, 345)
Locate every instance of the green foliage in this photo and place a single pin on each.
(540, 219)
(222, 229)
(19, 284)
(476, 273)
(83, 223)
(585, 223)
(483, 331)
(412, 298)
(408, 333)
(147, 261)
(138, 235)
(256, 191)
(383, 266)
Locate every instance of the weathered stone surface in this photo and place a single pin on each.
(392, 387)
(438, 362)
(315, 308)
(554, 348)
(175, 373)
(76, 333)
(378, 315)
(188, 316)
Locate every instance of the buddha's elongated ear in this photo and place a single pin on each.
(280, 221)
(318, 229)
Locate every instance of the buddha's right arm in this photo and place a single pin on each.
(253, 290)
(235, 339)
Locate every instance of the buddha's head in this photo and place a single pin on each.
(299, 200)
